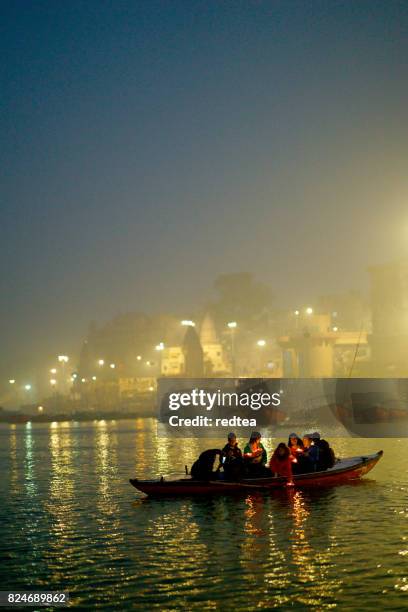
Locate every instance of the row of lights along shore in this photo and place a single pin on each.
(232, 326)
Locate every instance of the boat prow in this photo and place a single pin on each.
(344, 470)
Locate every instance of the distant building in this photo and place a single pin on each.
(188, 354)
(214, 360)
(316, 349)
(172, 363)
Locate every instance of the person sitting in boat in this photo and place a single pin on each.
(232, 460)
(281, 462)
(295, 446)
(326, 454)
(255, 456)
(207, 466)
(310, 455)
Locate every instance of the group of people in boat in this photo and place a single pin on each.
(299, 456)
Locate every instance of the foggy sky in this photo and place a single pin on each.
(147, 147)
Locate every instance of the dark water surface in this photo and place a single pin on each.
(70, 520)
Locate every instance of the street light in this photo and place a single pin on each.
(232, 326)
(101, 362)
(335, 328)
(309, 310)
(53, 382)
(93, 377)
(63, 358)
(53, 371)
(139, 358)
(187, 323)
(40, 408)
(12, 381)
(159, 347)
(112, 366)
(27, 387)
(296, 313)
(261, 342)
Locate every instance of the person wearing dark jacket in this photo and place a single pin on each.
(326, 458)
(310, 454)
(203, 468)
(232, 460)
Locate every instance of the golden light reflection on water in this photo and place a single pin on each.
(29, 479)
(313, 565)
(14, 478)
(107, 506)
(61, 500)
(284, 550)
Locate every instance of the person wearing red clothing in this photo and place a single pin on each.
(281, 463)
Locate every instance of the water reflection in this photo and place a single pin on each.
(14, 479)
(75, 523)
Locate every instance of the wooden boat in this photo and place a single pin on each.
(345, 470)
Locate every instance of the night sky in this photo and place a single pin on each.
(147, 147)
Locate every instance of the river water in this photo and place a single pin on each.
(70, 520)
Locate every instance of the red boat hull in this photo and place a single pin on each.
(344, 471)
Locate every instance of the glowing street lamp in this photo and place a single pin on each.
(63, 358)
(53, 382)
(187, 323)
(261, 343)
(335, 328)
(112, 366)
(40, 408)
(159, 347)
(309, 310)
(139, 358)
(83, 380)
(101, 362)
(232, 325)
(53, 371)
(296, 313)
(93, 377)
(27, 387)
(12, 381)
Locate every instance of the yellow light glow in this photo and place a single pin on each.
(261, 342)
(232, 324)
(309, 310)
